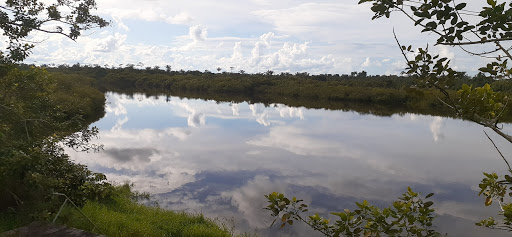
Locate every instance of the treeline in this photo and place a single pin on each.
(381, 95)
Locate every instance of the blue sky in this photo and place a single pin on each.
(317, 36)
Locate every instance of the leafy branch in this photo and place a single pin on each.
(410, 215)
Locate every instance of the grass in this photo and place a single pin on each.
(124, 217)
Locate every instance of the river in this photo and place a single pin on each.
(220, 159)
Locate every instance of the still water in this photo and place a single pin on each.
(220, 159)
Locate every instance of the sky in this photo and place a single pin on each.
(315, 36)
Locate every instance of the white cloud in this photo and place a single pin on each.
(181, 18)
(198, 33)
(366, 63)
(256, 36)
(237, 51)
(111, 43)
(266, 38)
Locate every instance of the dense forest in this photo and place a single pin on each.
(378, 94)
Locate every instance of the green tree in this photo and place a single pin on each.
(39, 112)
(18, 18)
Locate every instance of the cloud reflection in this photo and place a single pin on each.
(436, 128)
(328, 158)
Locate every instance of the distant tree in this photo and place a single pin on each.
(19, 18)
(219, 69)
(168, 68)
(242, 72)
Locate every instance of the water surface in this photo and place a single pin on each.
(222, 158)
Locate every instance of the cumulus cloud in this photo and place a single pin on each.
(198, 33)
(119, 22)
(111, 43)
(366, 63)
(237, 51)
(266, 39)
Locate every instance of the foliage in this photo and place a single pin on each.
(445, 18)
(122, 216)
(40, 113)
(18, 18)
(494, 189)
(410, 215)
(491, 26)
(380, 95)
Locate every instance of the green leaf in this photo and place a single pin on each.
(460, 6)
(488, 201)
(508, 178)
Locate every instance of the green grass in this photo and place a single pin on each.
(9, 221)
(124, 217)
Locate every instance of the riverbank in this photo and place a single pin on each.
(41, 112)
(379, 95)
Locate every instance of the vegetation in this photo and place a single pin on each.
(40, 112)
(410, 215)
(480, 104)
(380, 95)
(123, 216)
(19, 18)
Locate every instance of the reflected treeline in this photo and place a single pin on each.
(378, 95)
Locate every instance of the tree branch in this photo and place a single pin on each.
(476, 42)
(509, 169)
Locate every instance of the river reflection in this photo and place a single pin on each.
(221, 158)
